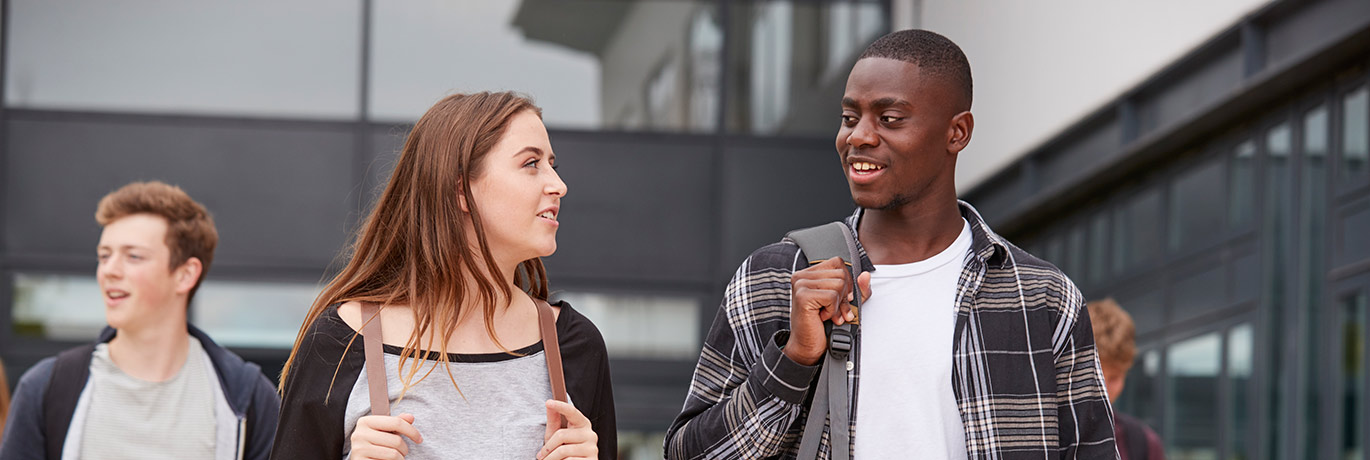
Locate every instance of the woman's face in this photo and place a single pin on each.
(519, 194)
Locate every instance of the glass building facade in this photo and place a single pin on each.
(1225, 203)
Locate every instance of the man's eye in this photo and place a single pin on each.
(889, 119)
(848, 119)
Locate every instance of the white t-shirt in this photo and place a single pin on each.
(906, 407)
(133, 418)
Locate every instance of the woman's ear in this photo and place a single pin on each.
(461, 198)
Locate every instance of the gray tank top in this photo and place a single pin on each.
(501, 416)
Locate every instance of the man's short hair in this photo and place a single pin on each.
(1114, 333)
(931, 52)
(190, 229)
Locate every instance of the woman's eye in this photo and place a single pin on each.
(532, 162)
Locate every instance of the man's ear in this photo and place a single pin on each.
(188, 274)
(958, 135)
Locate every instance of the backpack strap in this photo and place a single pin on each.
(375, 359)
(831, 399)
(547, 322)
(69, 375)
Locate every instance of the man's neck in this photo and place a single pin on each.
(153, 354)
(910, 233)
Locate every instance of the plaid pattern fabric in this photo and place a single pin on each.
(1025, 374)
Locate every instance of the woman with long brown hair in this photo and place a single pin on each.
(448, 264)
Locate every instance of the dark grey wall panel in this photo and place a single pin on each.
(1312, 27)
(771, 189)
(279, 196)
(635, 208)
(1178, 99)
(1099, 143)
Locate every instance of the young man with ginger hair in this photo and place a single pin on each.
(152, 386)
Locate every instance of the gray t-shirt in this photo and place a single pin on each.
(488, 418)
(137, 419)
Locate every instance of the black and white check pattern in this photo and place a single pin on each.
(1025, 374)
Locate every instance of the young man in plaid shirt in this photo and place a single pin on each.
(968, 347)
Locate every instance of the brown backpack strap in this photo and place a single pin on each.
(547, 322)
(375, 359)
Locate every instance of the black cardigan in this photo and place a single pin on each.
(311, 423)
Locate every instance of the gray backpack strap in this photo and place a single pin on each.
(831, 402)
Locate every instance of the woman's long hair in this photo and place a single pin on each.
(413, 249)
(4, 397)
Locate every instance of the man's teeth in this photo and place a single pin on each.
(863, 166)
(117, 295)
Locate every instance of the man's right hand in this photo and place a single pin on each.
(820, 293)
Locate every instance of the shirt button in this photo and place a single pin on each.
(850, 366)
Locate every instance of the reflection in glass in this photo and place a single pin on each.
(217, 58)
(789, 63)
(1278, 224)
(1353, 375)
(642, 326)
(58, 307)
(1140, 392)
(1242, 188)
(1191, 403)
(1075, 254)
(1196, 205)
(1239, 371)
(1355, 135)
(1098, 247)
(252, 313)
(590, 64)
(1313, 217)
(1137, 231)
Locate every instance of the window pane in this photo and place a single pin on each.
(1191, 428)
(1278, 225)
(790, 63)
(1198, 293)
(300, 60)
(1239, 368)
(252, 314)
(590, 64)
(1242, 188)
(1353, 375)
(1355, 140)
(1137, 231)
(1196, 206)
(1355, 246)
(1075, 254)
(1140, 392)
(642, 326)
(1313, 219)
(57, 307)
(1098, 247)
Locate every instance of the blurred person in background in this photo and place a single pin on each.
(1115, 338)
(152, 386)
(4, 400)
(451, 256)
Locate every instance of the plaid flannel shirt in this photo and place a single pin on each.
(1025, 374)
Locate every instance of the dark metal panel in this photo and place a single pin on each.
(1210, 81)
(771, 188)
(637, 208)
(1312, 26)
(279, 196)
(1094, 145)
